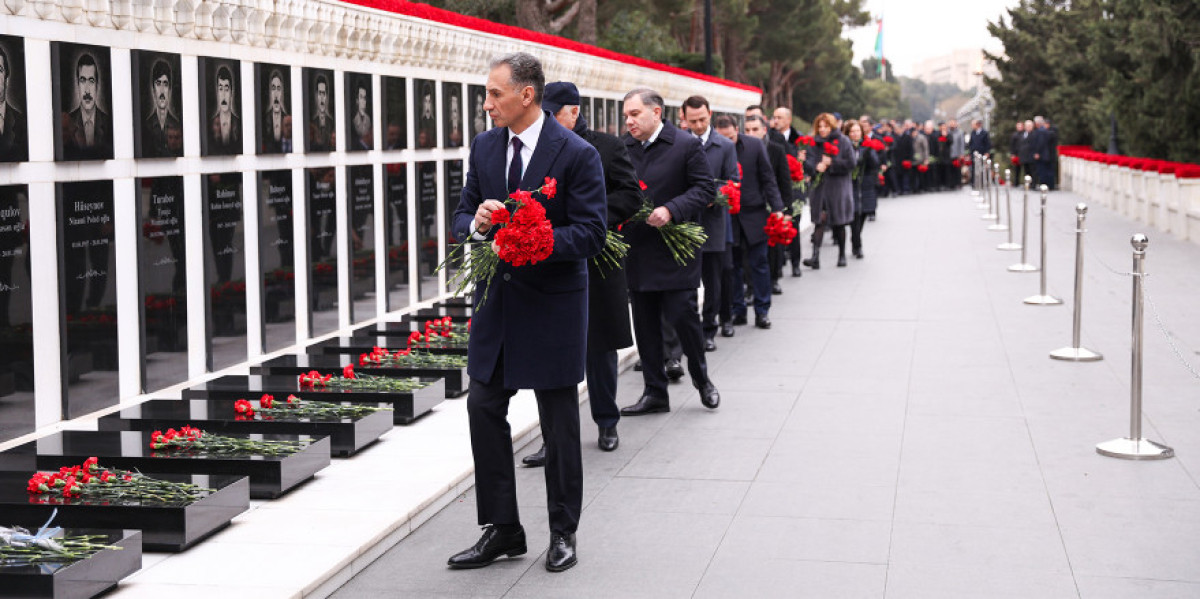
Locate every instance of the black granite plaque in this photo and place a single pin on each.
(455, 177)
(14, 139)
(455, 376)
(220, 106)
(395, 113)
(344, 436)
(276, 253)
(89, 296)
(355, 345)
(273, 102)
(224, 269)
(426, 107)
(452, 128)
(360, 113)
(585, 110)
(427, 230)
(407, 405)
(81, 579)
(162, 281)
(599, 123)
(16, 315)
(361, 241)
(157, 105)
(610, 106)
(164, 527)
(82, 78)
(396, 215)
(477, 118)
(270, 475)
(322, 250)
(320, 133)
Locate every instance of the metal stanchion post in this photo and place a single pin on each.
(986, 167)
(1043, 298)
(975, 174)
(993, 193)
(1135, 447)
(1075, 353)
(1008, 245)
(995, 213)
(1024, 265)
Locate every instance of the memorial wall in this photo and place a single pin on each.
(210, 181)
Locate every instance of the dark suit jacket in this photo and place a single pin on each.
(722, 162)
(903, 148)
(14, 142)
(980, 142)
(1014, 143)
(676, 175)
(778, 154)
(608, 294)
(759, 190)
(75, 138)
(790, 142)
(1026, 145)
(536, 314)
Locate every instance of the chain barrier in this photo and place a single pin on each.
(1163, 329)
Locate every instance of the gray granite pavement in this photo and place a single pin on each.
(899, 433)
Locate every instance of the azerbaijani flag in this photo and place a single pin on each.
(879, 47)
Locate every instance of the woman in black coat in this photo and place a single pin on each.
(865, 179)
(831, 199)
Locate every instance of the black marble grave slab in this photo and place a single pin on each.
(78, 580)
(270, 476)
(455, 378)
(344, 435)
(164, 527)
(364, 345)
(407, 406)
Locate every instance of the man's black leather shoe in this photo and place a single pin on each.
(727, 329)
(762, 321)
(710, 344)
(858, 255)
(490, 547)
(647, 404)
(776, 289)
(674, 370)
(561, 554)
(709, 396)
(536, 459)
(841, 260)
(796, 270)
(739, 320)
(608, 439)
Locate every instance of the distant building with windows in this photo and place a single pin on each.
(959, 67)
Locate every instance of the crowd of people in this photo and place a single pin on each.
(549, 325)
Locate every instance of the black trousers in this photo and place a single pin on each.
(677, 307)
(712, 275)
(856, 227)
(491, 446)
(602, 387)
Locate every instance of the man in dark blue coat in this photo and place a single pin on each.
(715, 256)
(531, 332)
(671, 165)
(760, 197)
(980, 143)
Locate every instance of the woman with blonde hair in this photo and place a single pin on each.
(831, 200)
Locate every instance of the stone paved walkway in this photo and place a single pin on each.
(899, 433)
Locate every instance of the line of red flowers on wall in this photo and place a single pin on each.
(1181, 170)
(439, 15)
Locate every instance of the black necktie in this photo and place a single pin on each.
(514, 167)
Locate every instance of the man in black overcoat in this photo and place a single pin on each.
(906, 179)
(980, 143)
(671, 165)
(778, 153)
(608, 295)
(760, 197)
(531, 332)
(716, 258)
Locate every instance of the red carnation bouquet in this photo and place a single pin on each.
(956, 163)
(524, 236)
(1015, 161)
(829, 148)
(779, 230)
(874, 144)
(889, 140)
(941, 139)
(805, 140)
(796, 171)
(921, 168)
(730, 195)
(906, 164)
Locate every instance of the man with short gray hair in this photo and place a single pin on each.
(531, 333)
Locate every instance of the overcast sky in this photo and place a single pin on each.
(914, 30)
